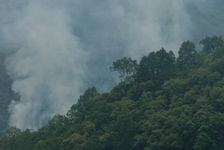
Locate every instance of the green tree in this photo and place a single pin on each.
(211, 43)
(77, 110)
(74, 142)
(157, 66)
(185, 113)
(125, 67)
(187, 55)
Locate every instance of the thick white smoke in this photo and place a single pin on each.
(115, 28)
(58, 48)
(46, 68)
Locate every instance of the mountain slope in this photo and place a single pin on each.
(166, 104)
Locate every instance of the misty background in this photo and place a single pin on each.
(56, 49)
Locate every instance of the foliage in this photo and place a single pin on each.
(211, 43)
(164, 108)
(125, 67)
(157, 66)
(187, 54)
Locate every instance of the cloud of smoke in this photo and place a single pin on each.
(112, 29)
(46, 68)
(58, 48)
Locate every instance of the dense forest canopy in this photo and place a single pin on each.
(162, 103)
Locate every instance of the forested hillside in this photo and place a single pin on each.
(162, 103)
(6, 94)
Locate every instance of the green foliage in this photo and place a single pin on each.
(125, 67)
(157, 66)
(211, 43)
(187, 55)
(78, 110)
(165, 108)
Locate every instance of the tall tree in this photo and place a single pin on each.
(157, 66)
(187, 54)
(211, 43)
(125, 67)
(77, 110)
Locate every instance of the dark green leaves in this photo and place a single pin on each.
(125, 67)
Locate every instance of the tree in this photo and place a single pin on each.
(187, 54)
(75, 141)
(211, 43)
(125, 67)
(78, 109)
(184, 112)
(157, 66)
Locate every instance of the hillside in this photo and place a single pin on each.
(161, 103)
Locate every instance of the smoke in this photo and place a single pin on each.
(47, 66)
(207, 18)
(59, 48)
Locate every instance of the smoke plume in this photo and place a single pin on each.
(58, 48)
